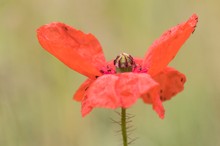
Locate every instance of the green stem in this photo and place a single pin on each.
(123, 127)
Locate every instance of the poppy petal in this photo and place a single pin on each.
(171, 82)
(80, 93)
(158, 106)
(131, 86)
(120, 90)
(153, 98)
(164, 49)
(101, 93)
(81, 52)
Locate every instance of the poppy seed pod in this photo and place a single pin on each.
(124, 63)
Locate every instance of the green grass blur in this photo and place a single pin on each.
(36, 106)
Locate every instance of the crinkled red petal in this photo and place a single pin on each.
(153, 97)
(131, 86)
(119, 90)
(157, 104)
(171, 83)
(101, 93)
(164, 49)
(80, 93)
(81, 52)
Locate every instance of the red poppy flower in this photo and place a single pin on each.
(149, 78)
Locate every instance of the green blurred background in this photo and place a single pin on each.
(36, 106)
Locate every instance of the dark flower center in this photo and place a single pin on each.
(124, 63)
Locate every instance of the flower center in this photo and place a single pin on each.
(124, 63)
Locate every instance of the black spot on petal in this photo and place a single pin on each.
(162, 98)
(174, 93)
(65, 28)
(148, 95)
(86, 88)
(182, 79)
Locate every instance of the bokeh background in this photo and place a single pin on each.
(36, 106)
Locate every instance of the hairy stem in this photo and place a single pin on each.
(123, 127)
